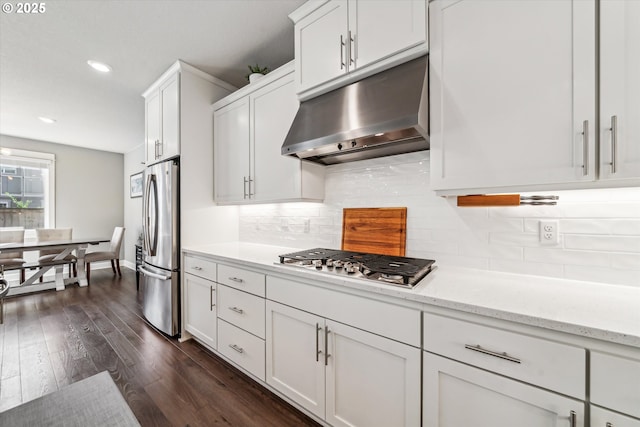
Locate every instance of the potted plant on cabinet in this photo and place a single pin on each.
(256, 72)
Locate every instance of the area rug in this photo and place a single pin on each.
(94, 401)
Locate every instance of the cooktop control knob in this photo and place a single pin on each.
(318, 264)
(350, 268)
(337, 264)
(329, 263)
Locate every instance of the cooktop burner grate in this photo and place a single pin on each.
(399, 271)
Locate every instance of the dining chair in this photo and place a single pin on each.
(12, 260)
(47, 255)
(113, 254)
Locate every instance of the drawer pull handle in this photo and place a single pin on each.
(504, 356)
(237, 310)
(235, 279)
(608, 425)
(195, 267)
(236, 348)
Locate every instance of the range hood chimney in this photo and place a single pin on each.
(381, 115)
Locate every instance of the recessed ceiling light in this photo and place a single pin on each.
(47, 120)
(99, 66)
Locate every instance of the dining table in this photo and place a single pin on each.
(66, 247)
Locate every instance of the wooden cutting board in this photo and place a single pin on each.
(375, 230)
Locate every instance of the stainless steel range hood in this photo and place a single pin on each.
(381, 115)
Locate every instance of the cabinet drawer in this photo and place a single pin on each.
(244, 310)
(603, 418)
(382, 318)
(244, 280)
(242, 348)
(200, 267)
(615, 383)
(537, 361)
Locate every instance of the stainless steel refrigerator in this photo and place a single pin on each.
(160, 269)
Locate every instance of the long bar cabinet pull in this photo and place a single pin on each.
(342, 47)
(585, 147)
(573, 419)
(352, 45)
(235, 279)
(326, 345)
(244, 188)
(236, 348)
(237, 310)
(318, 351)
(211, 298)
(614, 142)
(500, 355)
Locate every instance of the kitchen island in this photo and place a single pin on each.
(571, 348)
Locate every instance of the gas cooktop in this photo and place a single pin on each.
(392, 270)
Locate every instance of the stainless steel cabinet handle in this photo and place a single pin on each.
(235, 279)
(244, 189)
(237, 310)
(585, 147)
(195, 267)
(502, 355)
(608, 425)
(326, 345)
(318, 351)
(614, 142)
(211, 298)
(250, 180)
(572, 419)
(352, 59)
(342, 47)
(236, 348)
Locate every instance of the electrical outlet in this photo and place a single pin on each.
(549, 232)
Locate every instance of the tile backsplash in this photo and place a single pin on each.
(599, 230)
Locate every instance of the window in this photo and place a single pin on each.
(27, 185)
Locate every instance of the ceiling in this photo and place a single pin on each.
(44, 71)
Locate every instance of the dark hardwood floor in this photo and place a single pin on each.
(52, 339)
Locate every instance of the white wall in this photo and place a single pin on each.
(599, 229)
(88, 186)
(133, 163)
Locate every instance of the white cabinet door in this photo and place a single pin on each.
(170, 98)
(460, 395)
(603, 418)
(371, 380)
(200, 308)
(512, 88)
(321, 45)
(382, 28)
(152, 126)
(275, 177)
(619, 89)
(231, 156)
(295, 358)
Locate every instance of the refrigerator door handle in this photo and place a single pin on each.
(152, 247)
(154, 275)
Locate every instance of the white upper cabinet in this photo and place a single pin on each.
(512, 93)
(173, 110)
(345, 40)
(231, 158)
(249, 129)
(619, 89)
(163, 120)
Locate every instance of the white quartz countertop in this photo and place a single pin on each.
(605, 312)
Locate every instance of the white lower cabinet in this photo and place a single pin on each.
(200, 308)
(344, 375)
(241, 347)
(458, 395)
